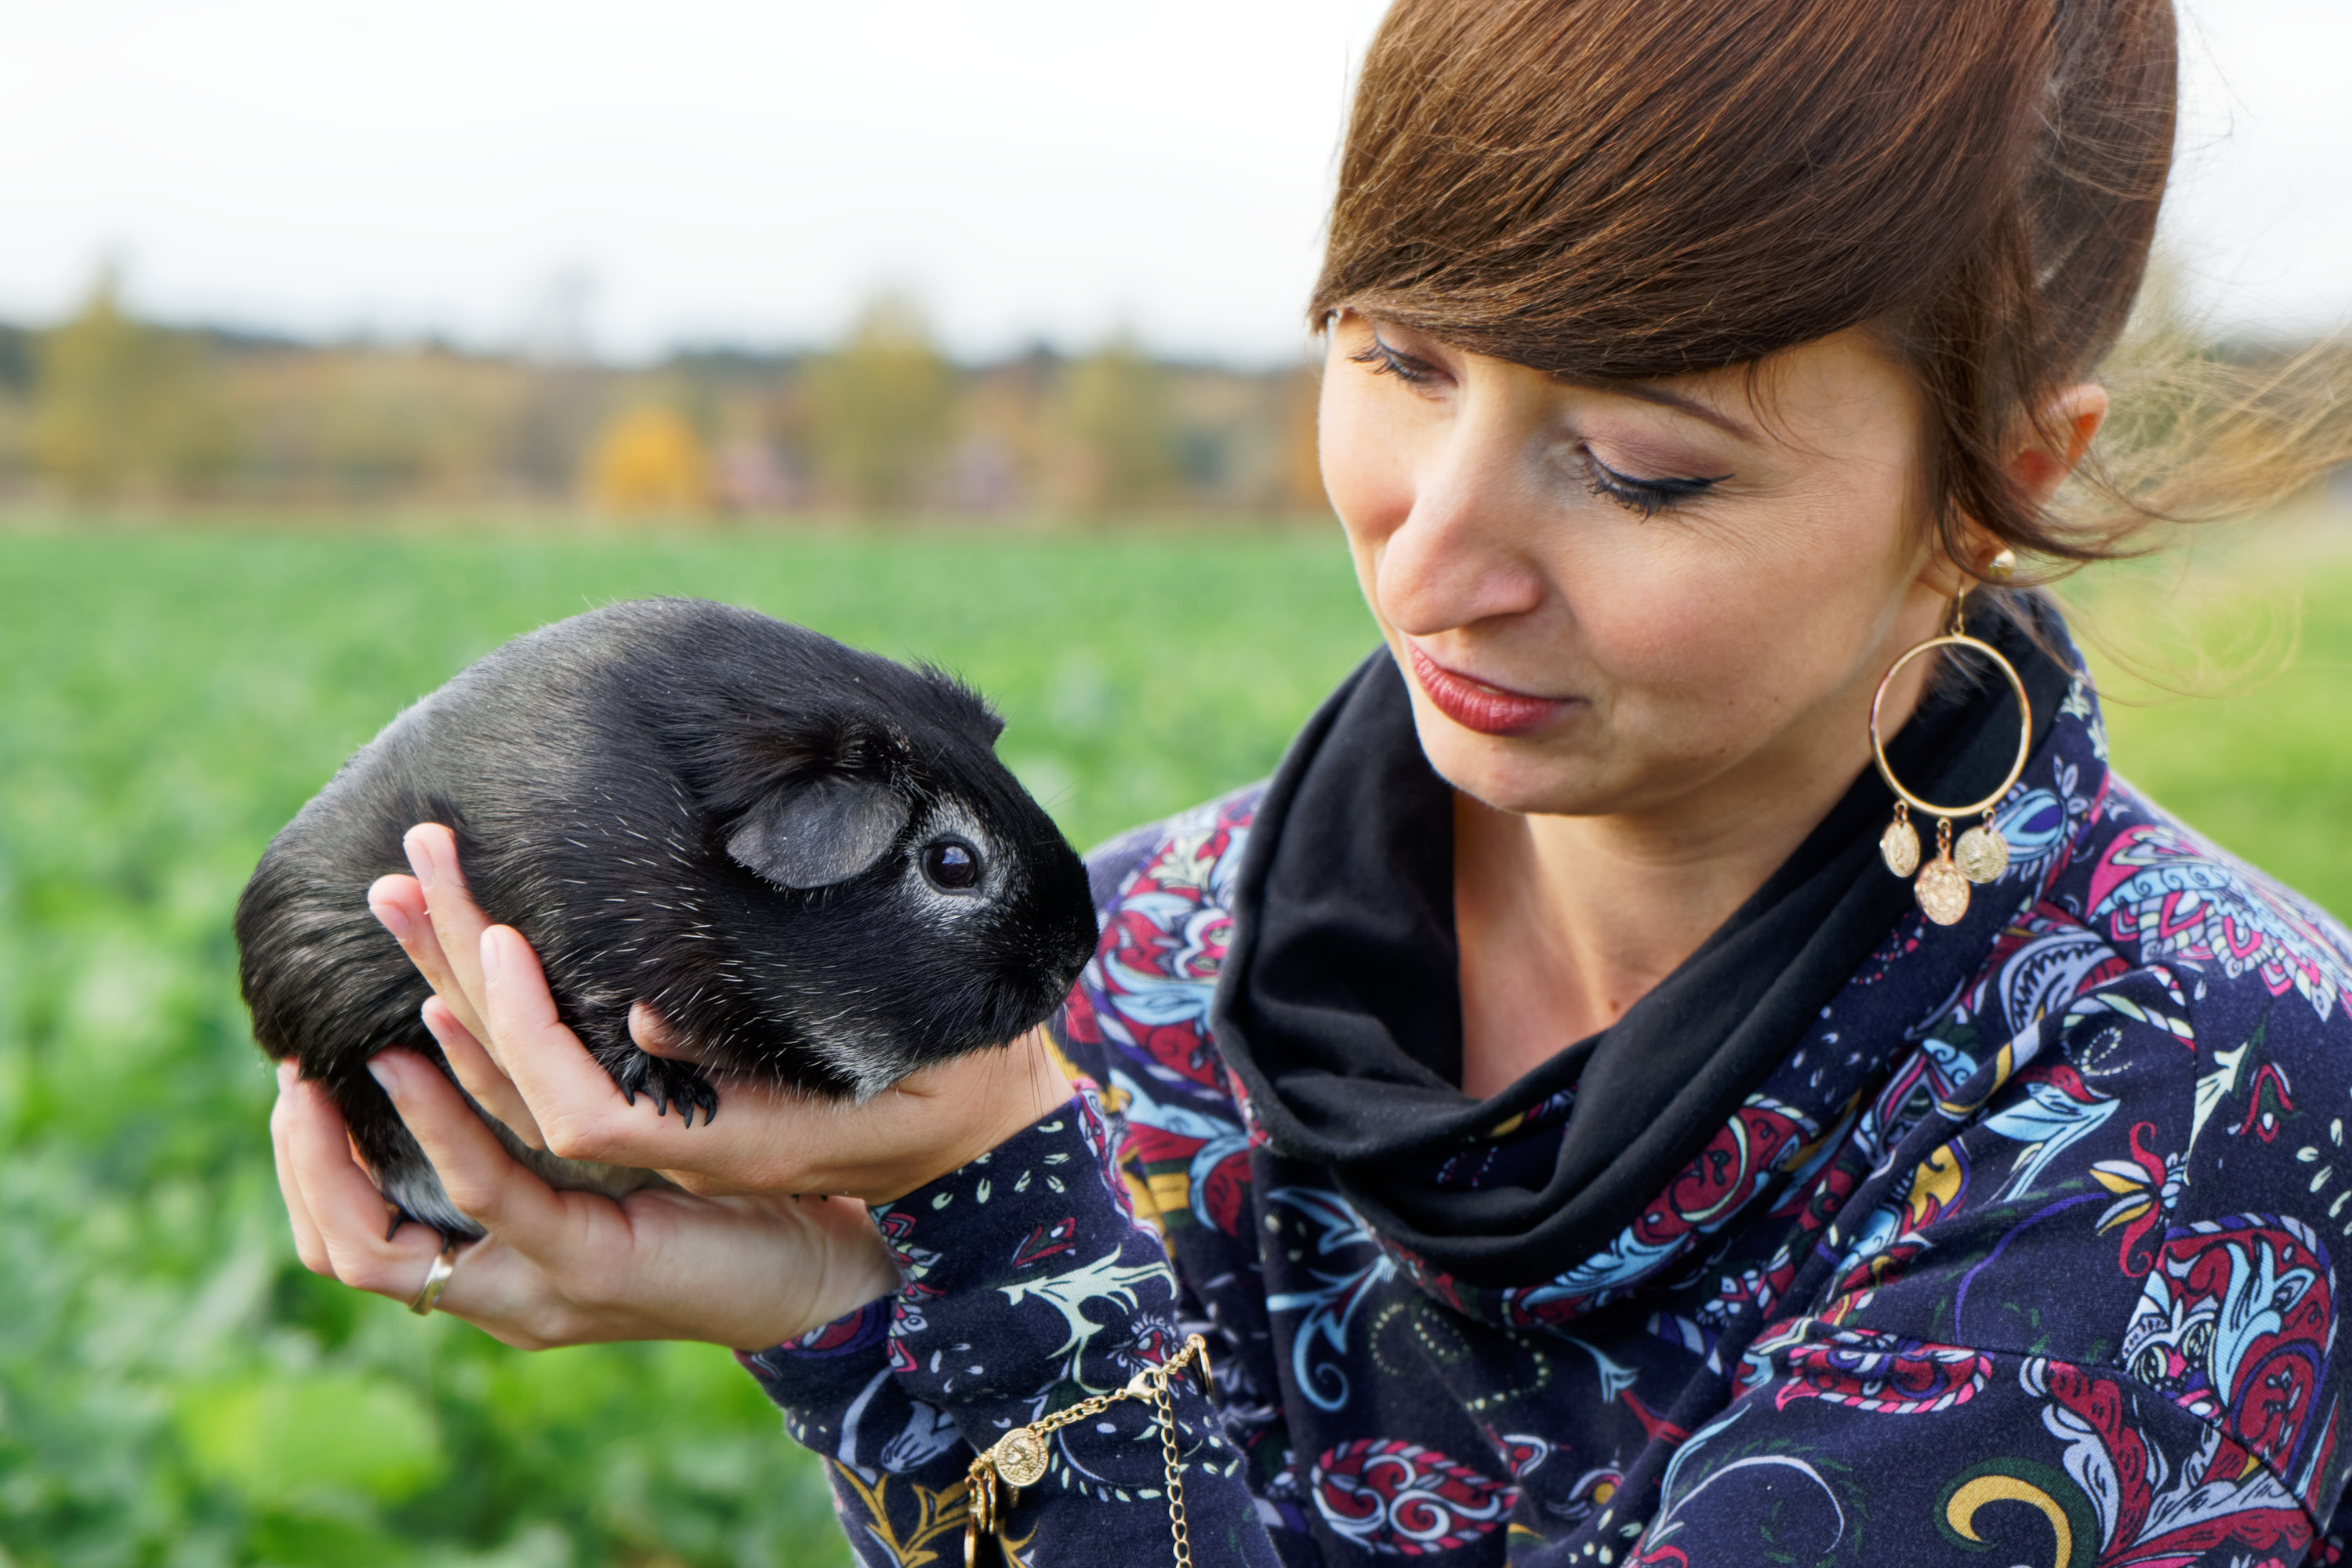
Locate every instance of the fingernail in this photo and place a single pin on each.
(492, 948)
(420, 860)
(285, 1077)
(381, 1070)
(390, 917)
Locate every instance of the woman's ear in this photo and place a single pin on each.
(2068, 421)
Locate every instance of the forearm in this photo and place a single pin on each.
(1029, 1287)
(896, 1466)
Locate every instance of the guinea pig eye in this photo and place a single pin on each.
(952, 866)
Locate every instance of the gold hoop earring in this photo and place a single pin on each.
(1982, 853)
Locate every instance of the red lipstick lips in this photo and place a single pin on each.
(1475, 705)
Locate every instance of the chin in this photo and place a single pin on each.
(1529, 776)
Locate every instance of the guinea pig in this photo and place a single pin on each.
(806, 858)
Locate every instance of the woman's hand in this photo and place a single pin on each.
(560, 1268)
(736, 1257)
(496, 1024)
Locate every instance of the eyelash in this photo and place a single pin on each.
(1644, 498)
(1383, 359)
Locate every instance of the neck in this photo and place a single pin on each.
(1564, 922)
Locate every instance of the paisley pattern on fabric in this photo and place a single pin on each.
(1183, 1150)
(2024, 1256)
(1404, 1500)
(2175, 898)
(2146, 1507)
(2236, 1324)
(1878, 1373)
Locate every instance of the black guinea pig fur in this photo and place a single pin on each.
(806, 858)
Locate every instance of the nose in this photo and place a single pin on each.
(1461, 556)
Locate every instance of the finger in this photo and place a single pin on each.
(307, 1246)
(457, 924)
(651, 1033)
(488, 1185)
(766, 1138)
(348, 1212)
(398, 904)
(583, 1113)
(572, 1096)
(482, 1076)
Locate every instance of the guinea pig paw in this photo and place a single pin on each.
(667, 1082)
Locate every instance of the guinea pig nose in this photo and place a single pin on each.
(952, 865)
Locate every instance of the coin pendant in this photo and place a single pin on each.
(1982, 853)
(1020, 1453)
(1900, 845)
(1942, 891)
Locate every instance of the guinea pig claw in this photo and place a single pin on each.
(667, 1083)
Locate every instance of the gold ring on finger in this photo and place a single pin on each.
(436, 1280)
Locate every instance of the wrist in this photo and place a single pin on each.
(995, 1095)
(859, 1269)
(1039, 1090)
(853, 1269)
(988, 1252)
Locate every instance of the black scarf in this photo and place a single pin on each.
(1340, 1007)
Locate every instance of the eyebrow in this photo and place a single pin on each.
(1650, 392)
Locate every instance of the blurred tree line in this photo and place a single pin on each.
(106, 407)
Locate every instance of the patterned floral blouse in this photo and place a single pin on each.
(2039, 1268)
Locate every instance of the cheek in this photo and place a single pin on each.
(1364, 473)
(1732, 628)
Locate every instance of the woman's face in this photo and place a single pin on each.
(1634, 598)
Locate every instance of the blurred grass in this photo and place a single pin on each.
(174, 1389)
(2228, 686)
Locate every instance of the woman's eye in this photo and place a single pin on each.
(952, 866)
(1645, 498)
(1386, 361)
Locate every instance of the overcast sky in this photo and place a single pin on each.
(749, 169)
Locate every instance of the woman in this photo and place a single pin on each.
(1576, 1124)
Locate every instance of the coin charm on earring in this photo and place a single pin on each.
(1942, 891)
(1942, 888)
(1982, 853)
(1900, 843)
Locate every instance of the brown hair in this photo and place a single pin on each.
(1643, 188)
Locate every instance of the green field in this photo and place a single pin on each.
(173, 1387)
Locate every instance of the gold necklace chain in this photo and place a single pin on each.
(1018, 1459)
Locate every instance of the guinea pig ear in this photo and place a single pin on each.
(820, 832)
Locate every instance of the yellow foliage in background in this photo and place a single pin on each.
(882, 407)
(1118, 435)
(108, 407)
(125, 409)
(648, 459)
